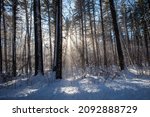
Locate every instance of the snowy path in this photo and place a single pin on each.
(128, 87)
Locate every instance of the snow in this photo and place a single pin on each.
(128, 85)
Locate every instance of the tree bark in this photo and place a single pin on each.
(5, 39)
(146, 43)
(85, 35)
(58, 39)
(82, 34)
(103, 34)
(14, 67)
(0, 39)
(115, 25)
(50, 39)
(95, 34)
(38, 38)
(92, 34)
(28, 38)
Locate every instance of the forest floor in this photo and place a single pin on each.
(126, 85)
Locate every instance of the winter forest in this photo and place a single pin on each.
(74, 49)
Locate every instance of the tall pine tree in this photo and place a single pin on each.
(58, 42)
(0, 40)
(116, 31)
(38, 38)
(14, 67)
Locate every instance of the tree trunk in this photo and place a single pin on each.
(28, 38)
(58, 39)
(91, 28)
(85, 35)
(103, 34)
(38, 38)
(14, 67)
(0, 40)
(115, 25)
(30, 33)
(126, 32)
(146, 43)
(50, 39)
(82, 35)
(5, 39)
(95, 34)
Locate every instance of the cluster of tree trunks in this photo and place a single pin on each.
(98, 37)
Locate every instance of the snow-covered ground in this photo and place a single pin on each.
(126, 85)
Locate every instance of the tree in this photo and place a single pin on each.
(103, 34)
(49, 25)
(0, 39)
(5, 39)
(58, 42)
(38, 38)
(92, 33)
(28, 36)
(80, 10)
(116, 31)
(14, 67)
